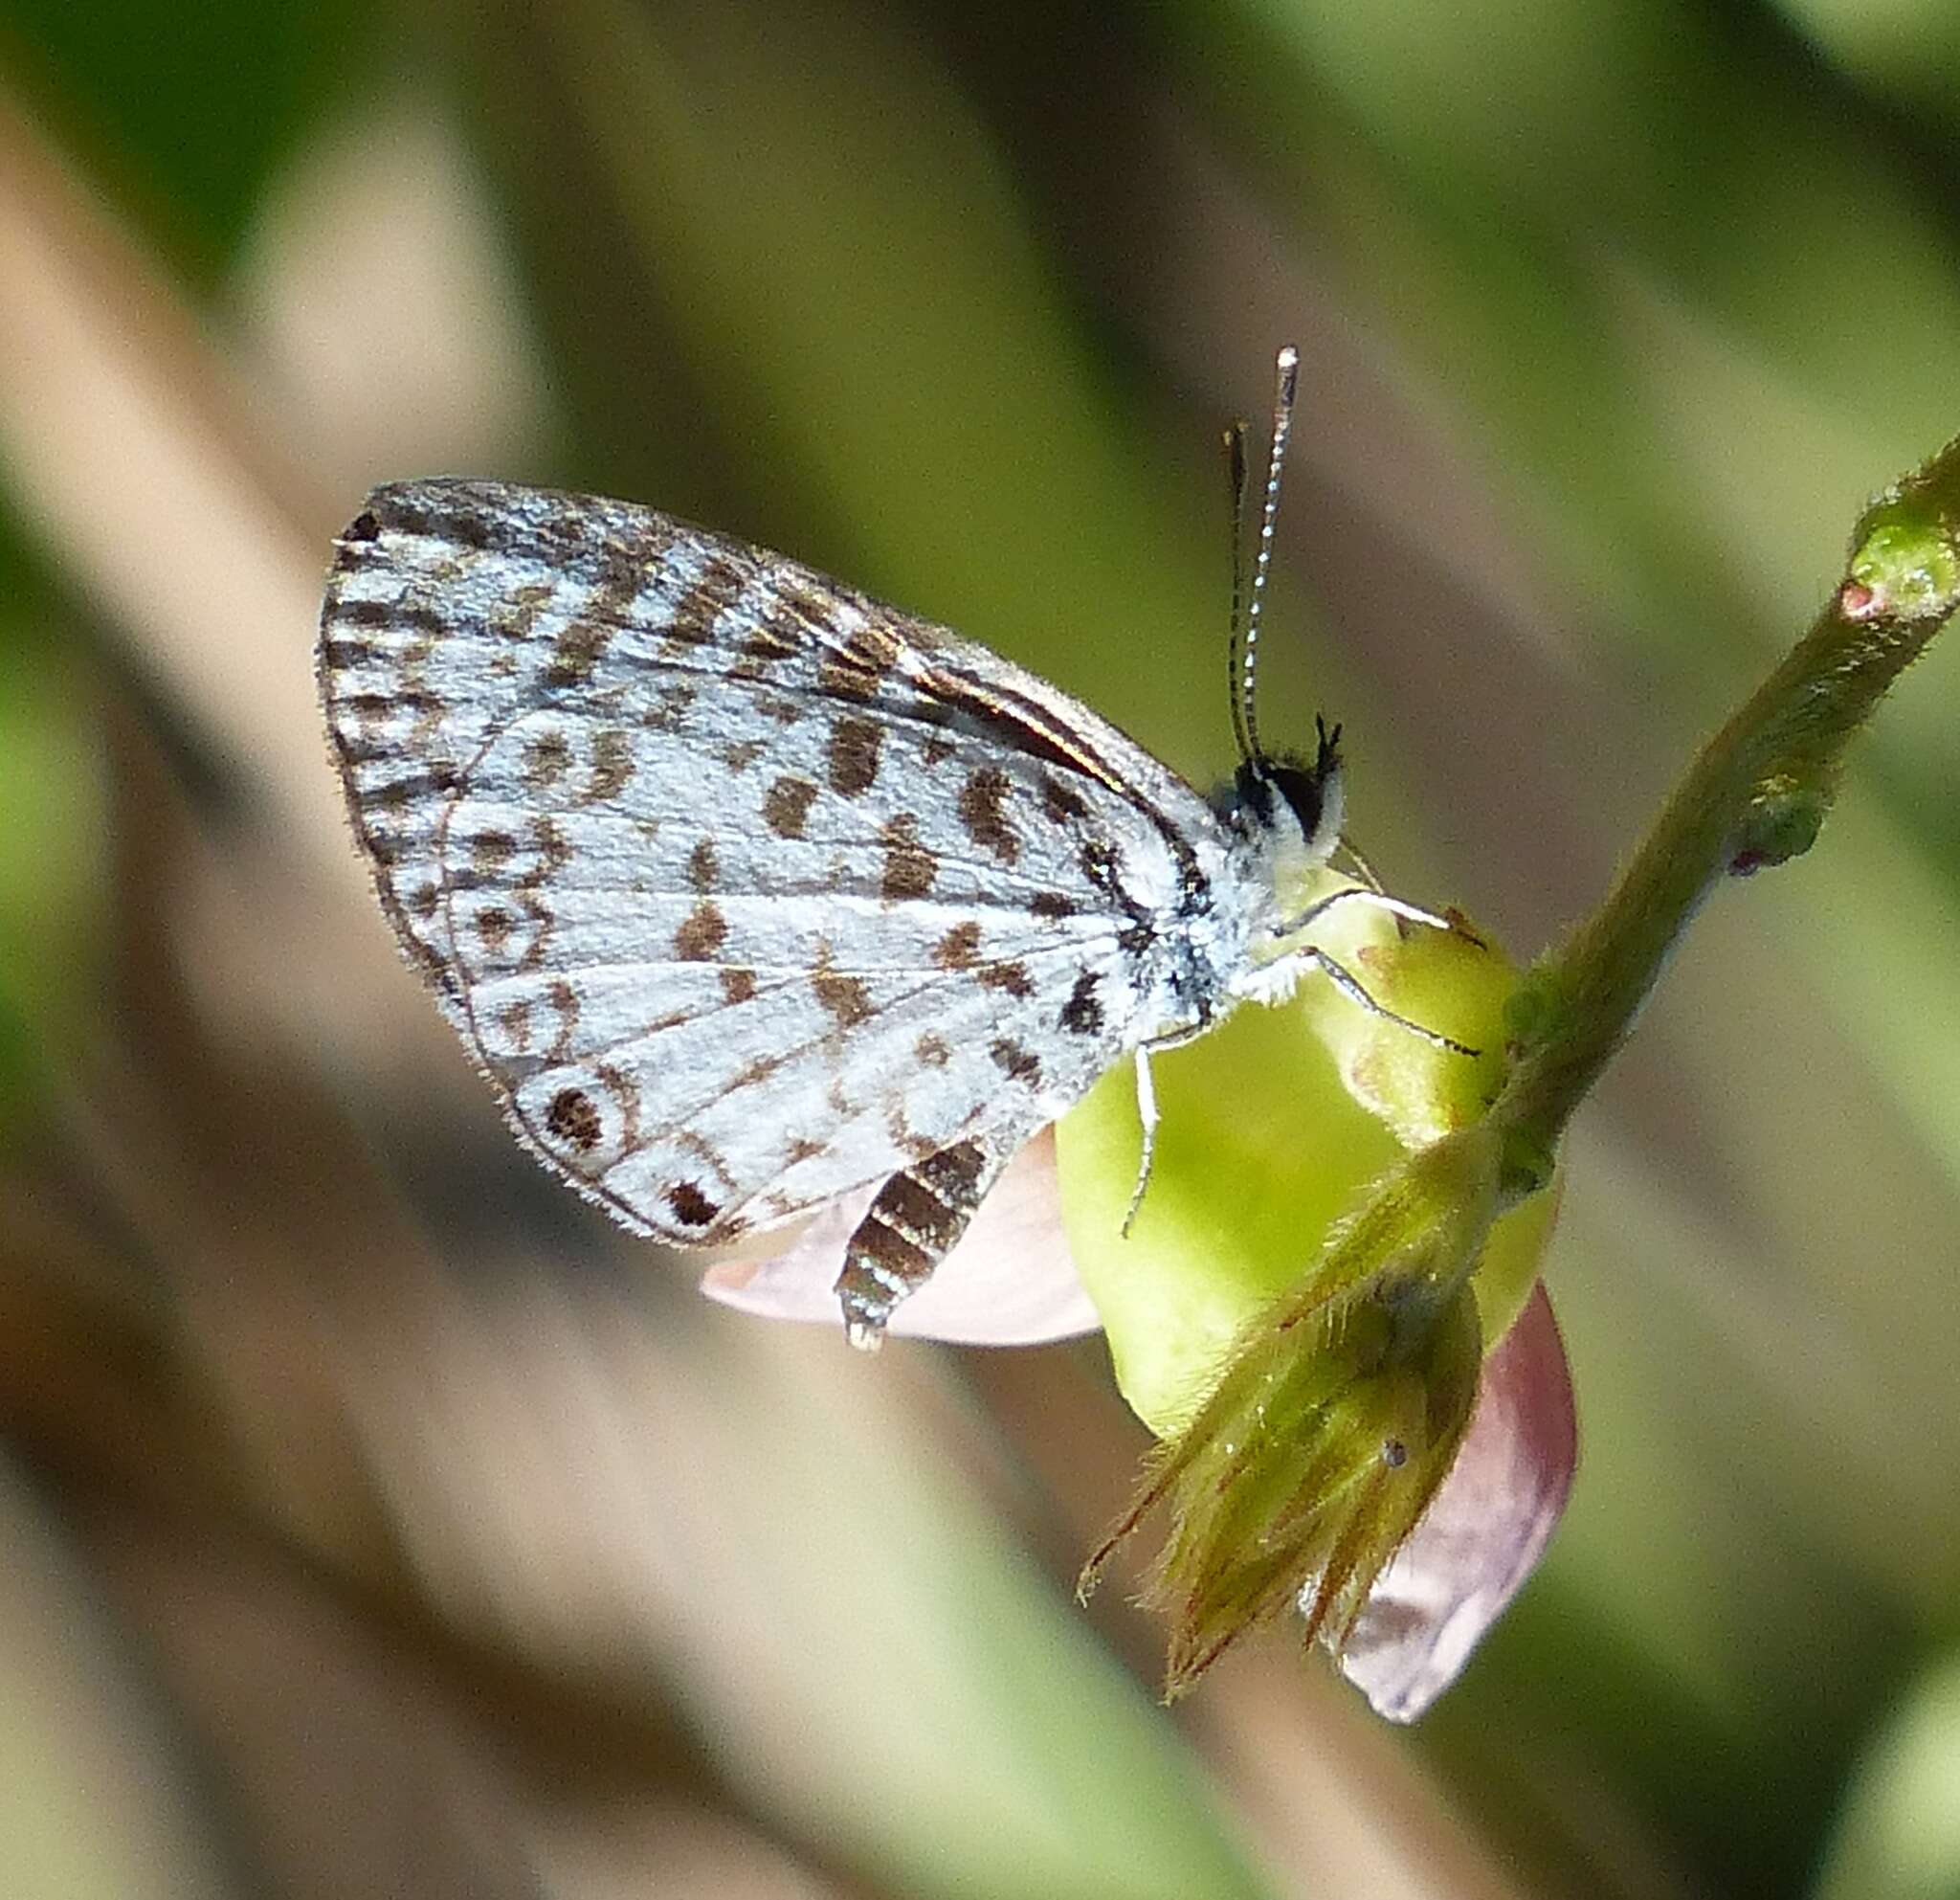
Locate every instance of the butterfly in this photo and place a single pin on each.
(745, 889)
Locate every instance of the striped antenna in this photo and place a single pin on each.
(1235, 469)
(1286, 379)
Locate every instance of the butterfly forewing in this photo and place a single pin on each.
(744, 889)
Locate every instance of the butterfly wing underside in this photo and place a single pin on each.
(742, 888)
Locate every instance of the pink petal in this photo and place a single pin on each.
(1009, 1282)
(1485, 1531)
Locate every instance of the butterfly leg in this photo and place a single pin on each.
(912, 1225)
(1146, 1112)
(1360, 894)
(1363, 869)
(1350, 986)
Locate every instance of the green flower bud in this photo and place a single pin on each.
(1300, 1307)
(1335, 1418)
(1272, 1126)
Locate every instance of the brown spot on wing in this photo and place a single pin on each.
(1083, 1014)
(959, 949)
(494, 925)
(786, 805)
(546, 758)
(373, 709)
(845, 997)
(611, 765)
(574, 1118)
(346, 654)
(515, 616)
(1013, 978)
(1060, 804)
(691, 1207)
(490, 850)
(909, 868)
(932, 1051)
(701, 935)
(856, 669)
(668, 715)
(1052, 906)
(576, 652)
(982, 801)
(715, 589)
(1016, 1062)
(737, 985)
(772, 640)
(854, 751)
(553, 847)
(704, 867)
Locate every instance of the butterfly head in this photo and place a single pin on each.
(1295, 807)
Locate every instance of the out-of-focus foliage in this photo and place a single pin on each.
(1899, 1835)
(443, 1538)
(51, 845)
(187, 111)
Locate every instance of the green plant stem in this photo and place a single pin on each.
(1756, 796)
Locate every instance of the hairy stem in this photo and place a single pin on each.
(1756, 796)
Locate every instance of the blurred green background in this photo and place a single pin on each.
(379, 1521)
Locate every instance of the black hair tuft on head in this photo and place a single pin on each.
(1327, 753)
(1261, 782)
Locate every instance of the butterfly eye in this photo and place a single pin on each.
(1252, 786)
(1302, 791)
